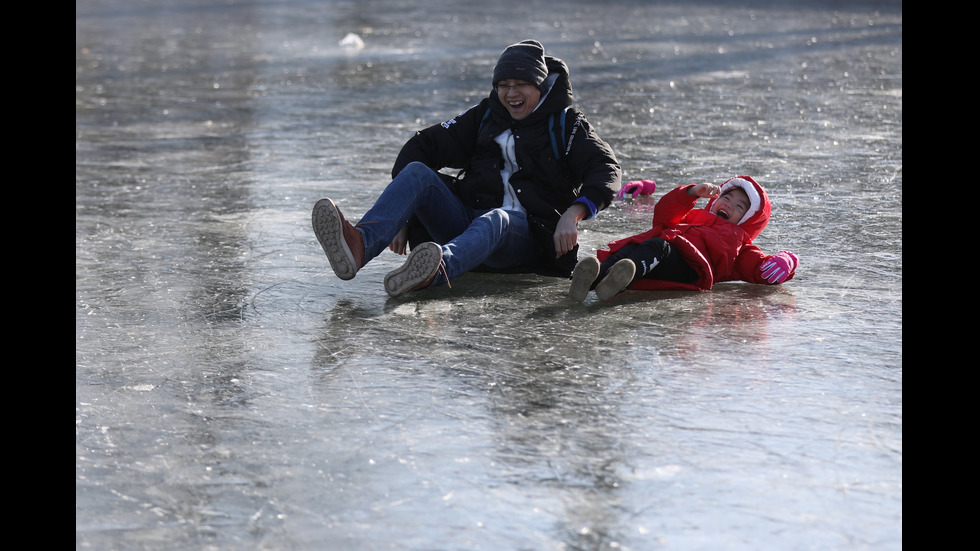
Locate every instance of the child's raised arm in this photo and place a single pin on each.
(704, 190)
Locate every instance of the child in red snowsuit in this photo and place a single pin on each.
(689, 248)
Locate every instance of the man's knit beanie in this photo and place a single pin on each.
(522, 61)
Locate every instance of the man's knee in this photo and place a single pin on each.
(498, 219)
(416, 176)
(415, 168)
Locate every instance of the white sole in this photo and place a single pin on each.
(328, 226)
(421, 263)
(583, 276)
(617, 279)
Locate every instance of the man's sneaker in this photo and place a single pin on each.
(341, 241)
(617, 279)
(583, 276)
(418, 271)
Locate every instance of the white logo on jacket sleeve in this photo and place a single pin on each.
(451, 121)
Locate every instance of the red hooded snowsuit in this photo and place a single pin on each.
(718, 250)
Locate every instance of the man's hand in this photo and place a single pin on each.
(566, 233)
(399, 244)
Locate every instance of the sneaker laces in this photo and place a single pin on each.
(442, 268)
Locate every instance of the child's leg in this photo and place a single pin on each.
(665, 263)
(645, 256)
(583, 278)
(619, 276)
(654, 259)
(612, 259)
(657, 259)
(588, 273)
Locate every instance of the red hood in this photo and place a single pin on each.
(757, 217)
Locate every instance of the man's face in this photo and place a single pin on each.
(519, 97)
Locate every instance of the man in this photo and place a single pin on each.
(531, 168)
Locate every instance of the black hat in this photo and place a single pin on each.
(522, 61)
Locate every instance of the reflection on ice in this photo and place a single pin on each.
(352, 42)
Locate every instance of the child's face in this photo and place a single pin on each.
(732, 205)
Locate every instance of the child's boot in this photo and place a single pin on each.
(617, 279)
(583, 276)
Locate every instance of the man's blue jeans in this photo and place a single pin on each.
(495, 238)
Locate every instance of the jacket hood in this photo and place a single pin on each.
(558, 83)
(757, 217)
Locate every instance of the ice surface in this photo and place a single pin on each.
(232, 393)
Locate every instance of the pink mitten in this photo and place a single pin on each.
(637, 187)
(778, 267)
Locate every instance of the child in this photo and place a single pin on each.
(689, 248)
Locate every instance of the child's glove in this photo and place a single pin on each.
(637, 187)
(779, 266)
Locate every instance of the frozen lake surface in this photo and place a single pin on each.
(232, 394)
